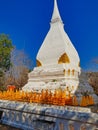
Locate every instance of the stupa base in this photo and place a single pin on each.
(58, 76)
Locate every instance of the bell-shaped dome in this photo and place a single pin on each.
(57, 47)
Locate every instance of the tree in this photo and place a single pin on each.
(21, 65)
(5, 52)
(93, 80)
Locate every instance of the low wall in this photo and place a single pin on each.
(44, 117)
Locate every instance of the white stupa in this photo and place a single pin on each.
(57, 59)
(58, 63)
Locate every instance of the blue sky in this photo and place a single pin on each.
(27, 23)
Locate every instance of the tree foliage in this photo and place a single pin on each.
(14, 64)
(5, 53)
(6, 48)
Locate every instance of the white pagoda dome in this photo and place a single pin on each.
(57, 47)
(57, 59)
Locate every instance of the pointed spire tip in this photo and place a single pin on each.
(56, 15)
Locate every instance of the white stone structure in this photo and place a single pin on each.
(58, 63)
(57, 59)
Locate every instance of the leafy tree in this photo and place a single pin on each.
(5, 53)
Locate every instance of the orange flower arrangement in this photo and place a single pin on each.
(11, 87)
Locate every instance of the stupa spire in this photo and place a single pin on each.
(56, 15)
